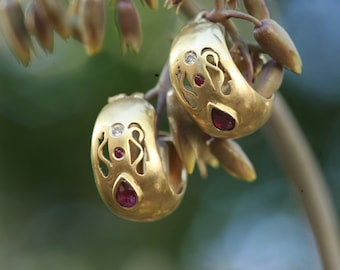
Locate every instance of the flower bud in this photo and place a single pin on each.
(129, 24)
(189, 139)
(153, 4)
(37, 23)
(171, 3)
(233, 159)
(193, 145)
(269, 80)
(257, 8)
(91, 24)
(14, 30)
(57, 14)
(276, 42)
(72, 13)
(232, 4)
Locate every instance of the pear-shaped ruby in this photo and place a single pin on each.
(199, 80)
(222, 120)
(125, 195)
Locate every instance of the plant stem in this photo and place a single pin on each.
(242, 46)
(220, 15)
(160, 91)
(298, 160)
(219, 4)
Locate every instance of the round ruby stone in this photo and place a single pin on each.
(126, 195)
(118, 152)
(199, 80)
(222, 120)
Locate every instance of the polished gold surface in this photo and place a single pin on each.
(150, 167)
(189, 139)
(195, 146)
(206, 80)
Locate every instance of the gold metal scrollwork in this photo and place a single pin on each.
(210, 86)
(138, 177)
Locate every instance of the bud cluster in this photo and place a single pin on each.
(83, 20)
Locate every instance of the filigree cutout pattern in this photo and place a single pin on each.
(105, 162)
(137, 147)
(213, 71)
(138, 173)
(109, 154)
(224, 103)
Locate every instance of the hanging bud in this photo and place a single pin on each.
(14, 29)
(193, 145)
(269, 79)
(57, 14)
(153, 4)
(258, 59)
(37, 23)
(276, 42)
(232, 4)
(257, 8)
(171, 3)
(233, 159)
(129, 24)
(91, 24)
(72, 12)
(189, 140)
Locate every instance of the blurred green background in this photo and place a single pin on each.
(51, 216)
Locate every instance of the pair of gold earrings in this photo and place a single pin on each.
(217, 92)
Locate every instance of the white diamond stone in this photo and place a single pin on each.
(117, 130)
(190, 58)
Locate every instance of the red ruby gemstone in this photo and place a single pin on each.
(126, 195)
(222, 120)
(118, 152)
(199, 80)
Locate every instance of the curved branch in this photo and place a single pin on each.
(297, 158)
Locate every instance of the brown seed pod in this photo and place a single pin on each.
(92, 24)
(14, 30)
(129, 25)
(72, 12)
(233, 159)
(37, 23)
(276, 42)
(171, 3)
(269, 79)
(57, 14)
(188, 138)
(195, 146)
(153, 4)
(232, 4)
